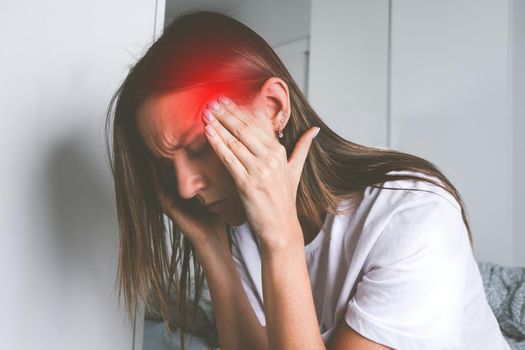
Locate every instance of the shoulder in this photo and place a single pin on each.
(409, 216)
(422, 189)
(415, 250)
(396, 192)
(382, 201)
(422, 220)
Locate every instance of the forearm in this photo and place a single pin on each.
(291, 319)
(237, 324)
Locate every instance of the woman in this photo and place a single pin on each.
(343, 246)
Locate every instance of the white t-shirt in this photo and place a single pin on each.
(399, 270)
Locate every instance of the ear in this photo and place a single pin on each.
(271, 106)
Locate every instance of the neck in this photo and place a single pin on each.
(311, 231)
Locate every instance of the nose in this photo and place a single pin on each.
(190, 179)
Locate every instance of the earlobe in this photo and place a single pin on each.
(281, 126)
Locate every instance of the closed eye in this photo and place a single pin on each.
(201, 149)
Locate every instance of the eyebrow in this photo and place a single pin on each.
(184, 137)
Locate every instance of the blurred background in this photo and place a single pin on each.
(444, 80)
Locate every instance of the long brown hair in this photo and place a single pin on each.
(335, 169)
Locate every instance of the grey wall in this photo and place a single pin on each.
(60, 62)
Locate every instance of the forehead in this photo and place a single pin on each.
(173, 113)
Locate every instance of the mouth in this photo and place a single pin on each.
(216, 205)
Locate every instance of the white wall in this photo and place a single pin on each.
(518, 127)
(433, 78)
(288, 35)
(60, 62)
(450, 103)
(347, 81)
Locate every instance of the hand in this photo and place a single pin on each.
(266, 180)
(201, 227)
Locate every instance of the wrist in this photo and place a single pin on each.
(213, 248)
(286, 239)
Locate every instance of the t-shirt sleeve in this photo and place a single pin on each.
(246, 269)
(410, 294)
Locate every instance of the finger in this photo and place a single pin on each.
(226, 155)
(241, 152)
(244, 128)
(300, 152)
(232, 108)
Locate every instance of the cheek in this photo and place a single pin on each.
(214, 163)
(218, 172)
(211, 165)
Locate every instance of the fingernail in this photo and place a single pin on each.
(224, 100)
(317, 132)
(209, 130)
(208, 115)
(215, 105)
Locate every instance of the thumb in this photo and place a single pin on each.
(298, 156)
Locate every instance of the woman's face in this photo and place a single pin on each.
(173, 130)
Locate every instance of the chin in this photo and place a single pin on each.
(234, 219)
(237, 222)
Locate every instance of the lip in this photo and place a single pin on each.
(216, 205)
